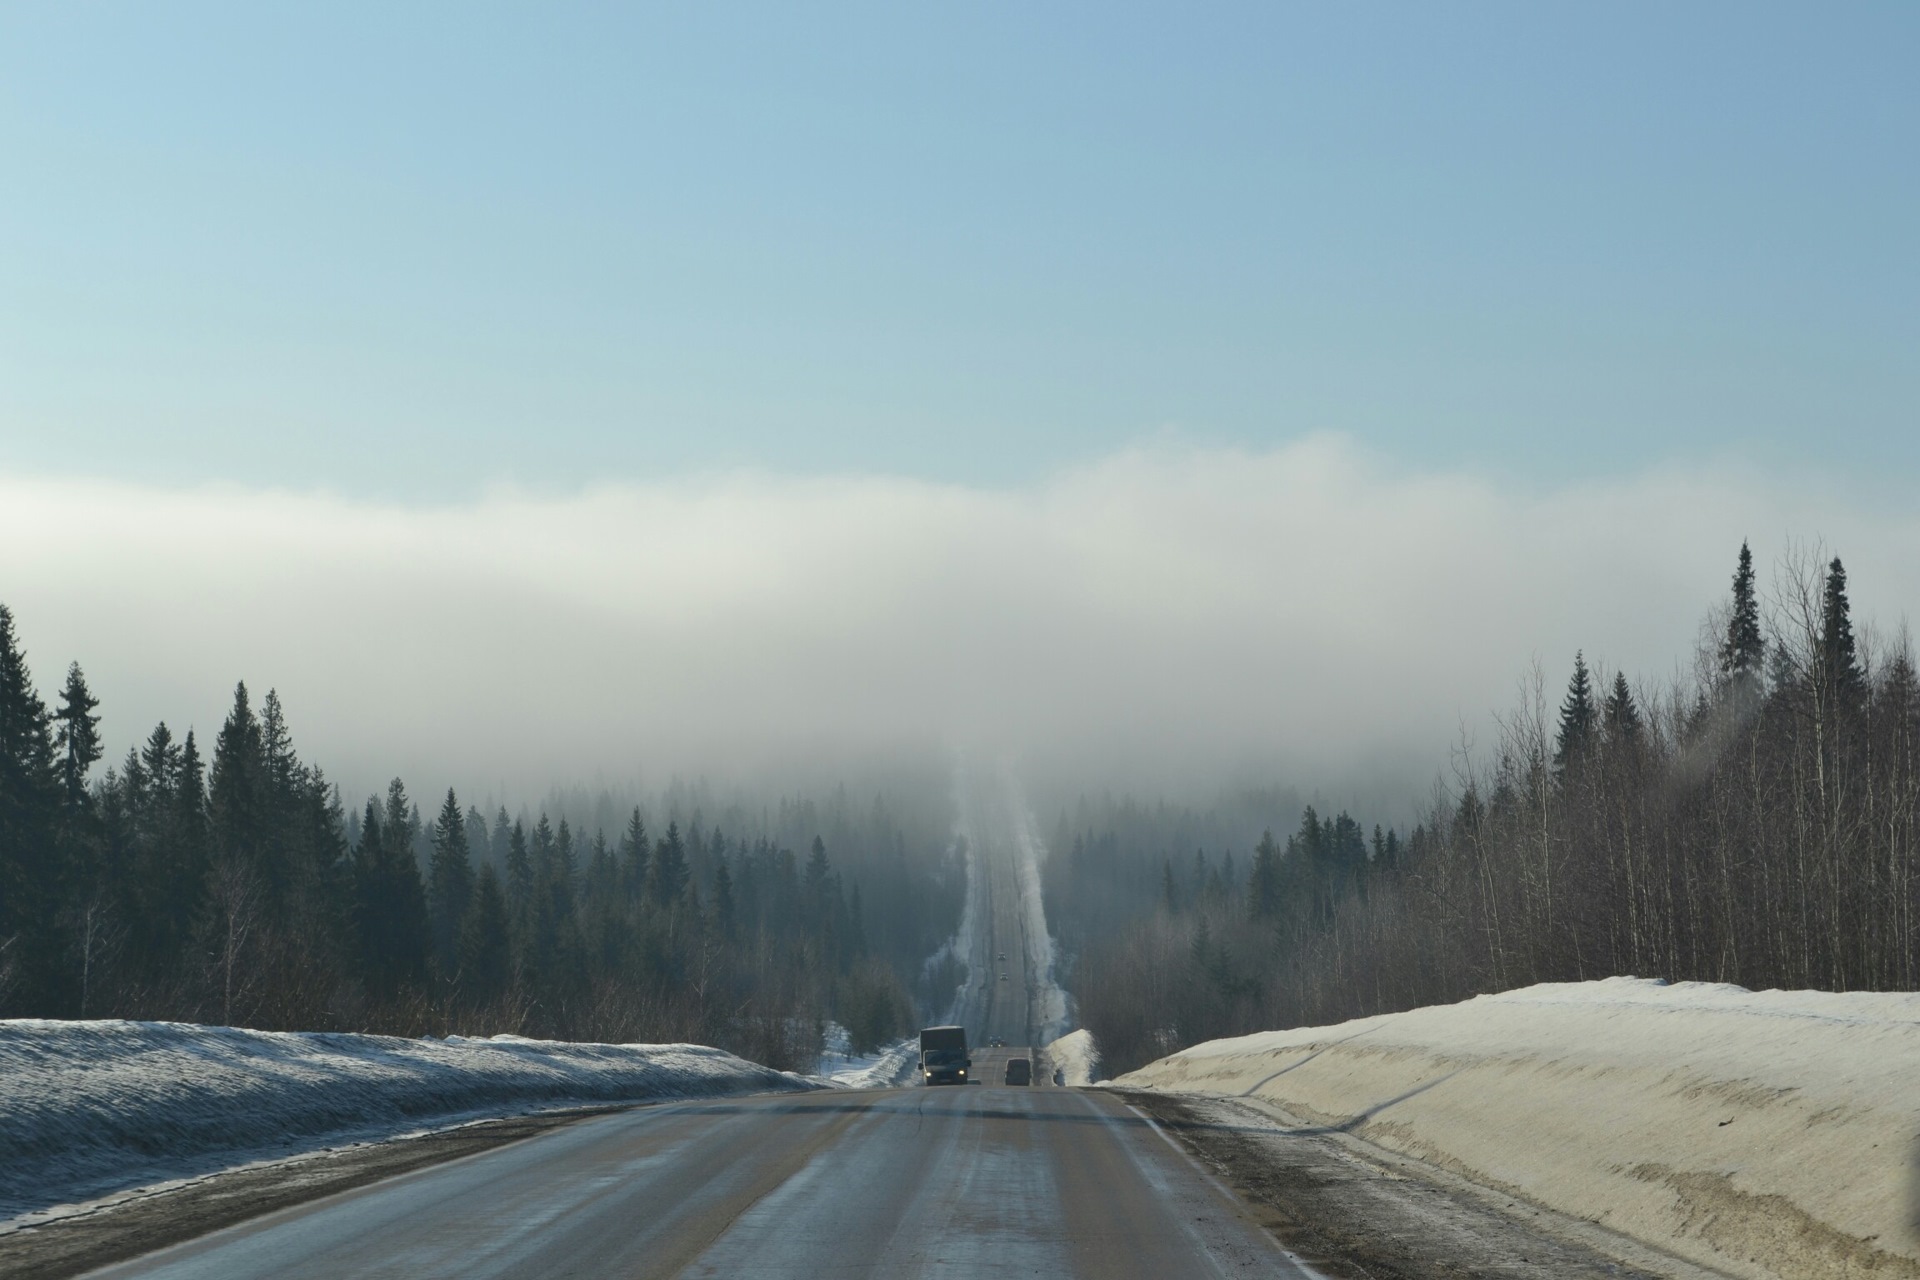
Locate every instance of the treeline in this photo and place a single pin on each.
(1754, 823)
(232, 886)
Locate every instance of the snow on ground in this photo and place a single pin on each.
(1050, 1011)
(88, 1109)
(1767, 1134)
(1075, 1057)
(886, 1066)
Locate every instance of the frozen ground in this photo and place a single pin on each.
(1764, 1134)
(88, 1109)
(889, 1065)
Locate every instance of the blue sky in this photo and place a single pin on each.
(409, 251)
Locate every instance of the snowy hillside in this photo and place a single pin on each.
(1762, 1133)
(90, 1108)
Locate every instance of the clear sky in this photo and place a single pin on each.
(407, 251)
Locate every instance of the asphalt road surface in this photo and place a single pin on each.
(956, 1181)
(951, 1181)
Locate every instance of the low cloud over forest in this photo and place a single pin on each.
(1169, 617)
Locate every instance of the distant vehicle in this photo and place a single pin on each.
(943, 1055)
(1003, 977)
(995, 1042)
(1019, 1071)
(1003, 955)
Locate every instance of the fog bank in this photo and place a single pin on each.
(1166, 619)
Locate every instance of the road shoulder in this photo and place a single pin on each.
(1353, 1210)
(128, 1227)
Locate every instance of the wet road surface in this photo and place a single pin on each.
(955, 1181)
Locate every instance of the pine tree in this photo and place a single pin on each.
(485, 953)
(1263, 885)
(634, 857)
(669, 875)
(234, 787)
(1744, 649)
(1576, 718)
(519, 882)
(78, 739)
(723, 907)
(30, 876)
(390, 901)
(449, 883)
(1169, 898)
(1622, 714)
(1839, 658)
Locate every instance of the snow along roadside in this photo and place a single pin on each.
(1765, 1134)
(90, 1109)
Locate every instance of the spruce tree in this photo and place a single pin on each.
(1839, 658)
(486, 962)
(634, 857)
(1623, 715)
(234, 788)
(1744, 648)
(30, 876)
(449, 883)
(1263, 885)
(723, 907)
(669, 876)
(1577, 718)
(78, 739)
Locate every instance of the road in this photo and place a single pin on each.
(1010, 991)
(897, 1183)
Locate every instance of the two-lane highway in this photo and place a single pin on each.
(903, 1183)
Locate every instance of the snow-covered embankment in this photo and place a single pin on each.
(92, 1108)
(1767, 1134)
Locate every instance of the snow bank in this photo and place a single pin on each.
(91, 1108)
(1763, 1133)
(887, 1066)
(1075, 1056)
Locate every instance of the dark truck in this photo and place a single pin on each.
(943, 1055)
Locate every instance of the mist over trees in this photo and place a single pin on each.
(232, 885)
(1752, 823)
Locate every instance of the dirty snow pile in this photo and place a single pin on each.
(888, 1065)
(1075, 1057)
(1763, 1133)
(91, 1108)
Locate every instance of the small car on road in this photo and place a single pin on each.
(1019, 1071)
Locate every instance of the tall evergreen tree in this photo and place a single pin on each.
(1623, 715)
(449, 882)
(1263, 885)
(1577, 716)
(1839, 658)
(723, 905)
(669, 875)
(234, 787)
(485, 952)
(78, 738)
(634, 852)
(1744, 648)
(30, 876)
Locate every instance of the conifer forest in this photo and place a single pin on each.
(231, 884)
